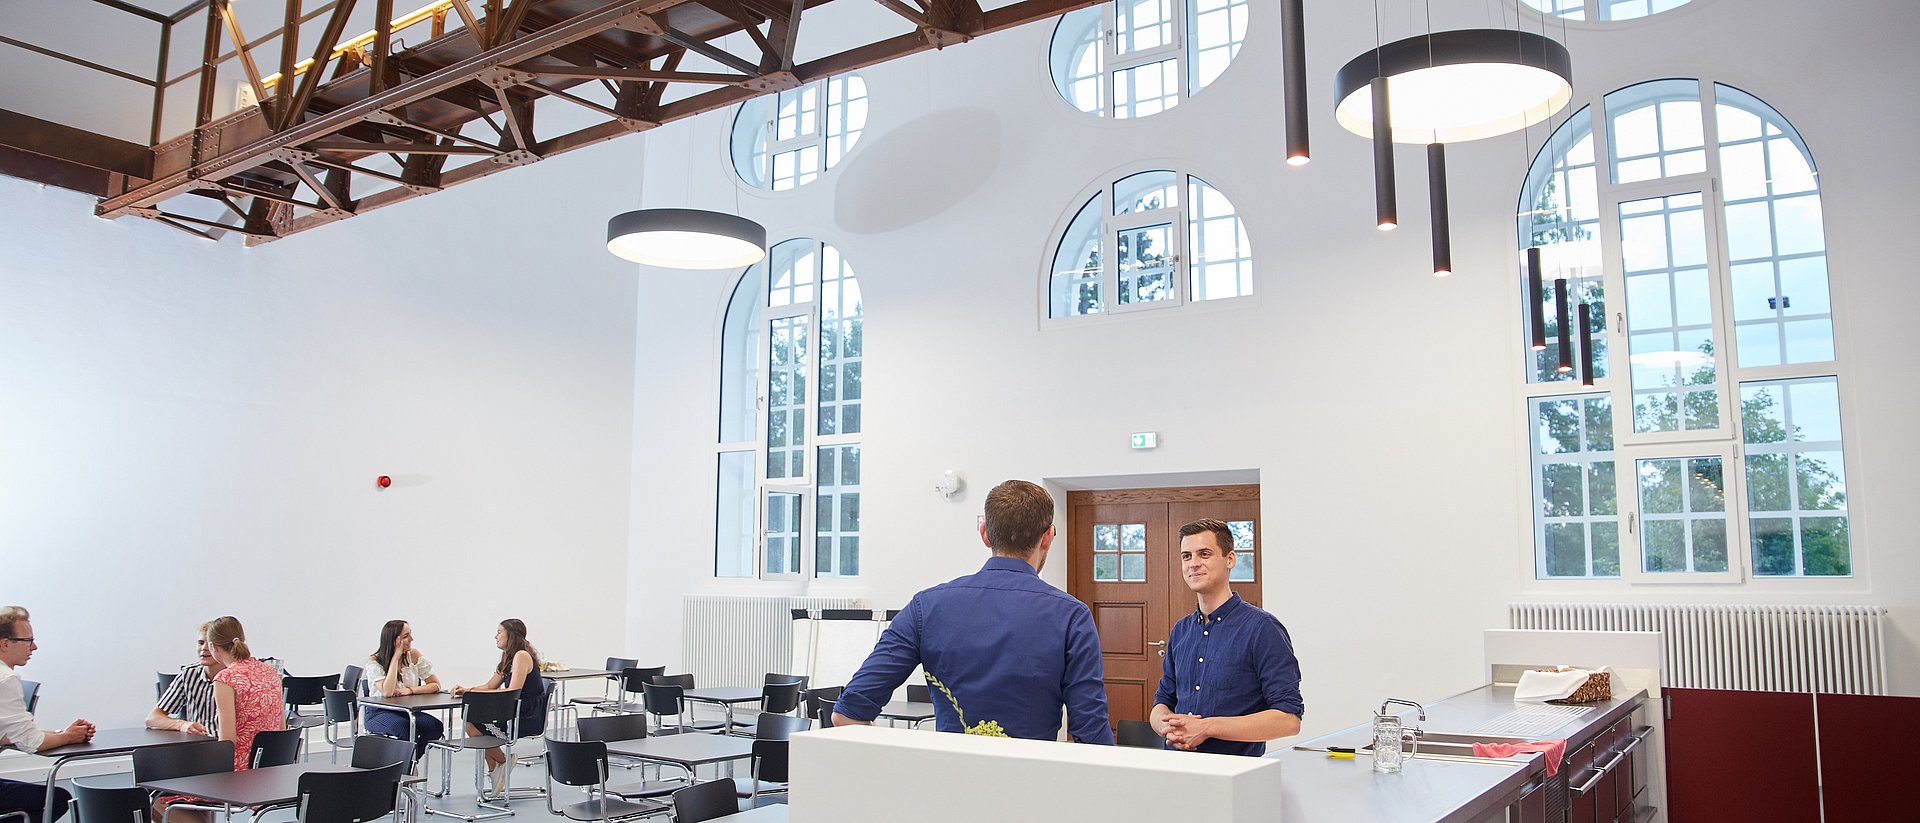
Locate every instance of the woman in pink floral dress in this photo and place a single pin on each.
(247, 691)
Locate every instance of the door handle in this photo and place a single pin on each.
(1156, 642)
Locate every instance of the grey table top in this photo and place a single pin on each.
(1427, 790)
(107, 742)
(577, 674)
(725, 694)
(903, 710)
(253, 787)
(418, 702)
(685, 749)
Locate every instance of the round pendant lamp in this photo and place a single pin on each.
(1455, 86)
(686, 239)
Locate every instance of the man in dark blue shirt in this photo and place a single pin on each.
(1009, 647)
(1230, 681)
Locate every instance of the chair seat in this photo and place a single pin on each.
(748, 787)
(589, 701)
(602, 808)
(305, 721)
(481, 741)
(649, 788)
(623, 708)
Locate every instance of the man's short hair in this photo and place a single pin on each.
(10, 615)
(1222, 535)
(1018, 513)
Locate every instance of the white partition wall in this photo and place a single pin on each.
(858, 773)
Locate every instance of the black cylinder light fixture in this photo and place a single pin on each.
(1586, 345)
(1293, 37)
(1386, 210)
(1536, 295)
(1566, 321)
(1437, 194)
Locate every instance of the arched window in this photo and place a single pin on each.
(1133, 58)
(1603, 9)
(790, 418)
(787, 139)
(1135, 255)
(1684, 217)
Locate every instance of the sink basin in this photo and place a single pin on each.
(1455, 745)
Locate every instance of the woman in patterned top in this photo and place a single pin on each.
(246, 692)
(400, 669)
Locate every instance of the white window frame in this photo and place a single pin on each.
(1111, 225)
(1726, 442)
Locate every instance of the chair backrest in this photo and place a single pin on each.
(917, 693)
(779, 726)
(820, 704)
(619, 665)
(185, 760)
(350, 797)
(705, 801)
(780, 698)
(770, 760)
(1139, 734)
(161, 682)
(632, 678)
(340, 706)
(533, 722)
(492, 712)
(577, 763)
(119, 804)
(662, 699)
(684, 681)
(372, 751)
(30, 692)
(274, 748)
(613, 727)
(350, 679)
(308, 691)
(801, 679)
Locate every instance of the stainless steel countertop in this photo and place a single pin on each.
(1427, 790)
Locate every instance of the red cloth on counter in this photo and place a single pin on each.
(1555, 750)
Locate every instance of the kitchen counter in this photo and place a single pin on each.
(1429, 789)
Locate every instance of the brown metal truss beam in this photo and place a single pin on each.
(334, 136)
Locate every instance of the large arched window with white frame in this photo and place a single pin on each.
(1603, 10)
(1685, 216)
(1134, 58)
(791, 402)
(785, 140)
(1151, 239)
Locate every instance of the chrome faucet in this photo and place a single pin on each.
(1392, 701)
(1410, 734)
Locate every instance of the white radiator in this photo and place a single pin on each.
(1831, 649)
(732, 640)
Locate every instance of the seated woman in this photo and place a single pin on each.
(519, 670)
(247, 701)
(397, 669)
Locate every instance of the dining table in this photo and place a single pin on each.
(109, 743)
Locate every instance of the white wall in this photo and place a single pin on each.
(191, 429)
(1378, 404)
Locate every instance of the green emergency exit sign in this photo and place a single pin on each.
(1146, 440)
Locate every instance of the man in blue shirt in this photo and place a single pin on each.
(1010, 647)
(1230, 681)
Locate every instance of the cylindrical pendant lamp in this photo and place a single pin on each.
(1586, 345)
(1293, 38)
(1385, 209)
(1437, 194)
(1536, 295)
(1566, 321)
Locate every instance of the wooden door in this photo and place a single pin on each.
(1123, 561)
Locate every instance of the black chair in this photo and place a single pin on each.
(30, 693)
(163, 681)
(628, 727)
(584, 764)
(187, 760)
(1138, 734)
(779, 726)
(820, 704)
(776, 679)
(918, 693)
(775, 698)
(274, 748)
(616, 665)
(767, 772)
(352, 678)
(340, 706)
(663, 700)
(497, 716)
(632, 680)
(350, 797)
(705, 801)
(117, 804)
(373, 751)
